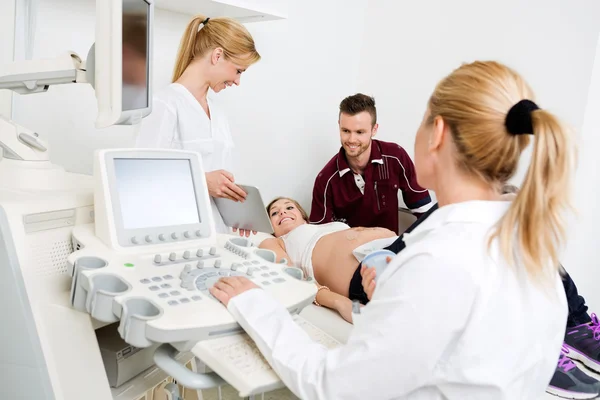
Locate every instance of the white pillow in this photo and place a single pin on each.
(362, 251)
(259, 237)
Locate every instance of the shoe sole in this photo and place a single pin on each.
(567, 394)
(579, 356)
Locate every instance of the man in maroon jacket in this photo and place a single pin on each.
(360, 184)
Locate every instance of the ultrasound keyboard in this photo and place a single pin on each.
(237, 359)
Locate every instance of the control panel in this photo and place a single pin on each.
(164, 237)
(163, 296)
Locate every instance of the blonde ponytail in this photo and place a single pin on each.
(185, 55)
(537, 213)
(474, 101)
(226, 33)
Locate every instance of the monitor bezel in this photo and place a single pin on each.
(106, 73)
(124, 236)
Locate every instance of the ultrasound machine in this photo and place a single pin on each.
(104, 279)
(151, 256)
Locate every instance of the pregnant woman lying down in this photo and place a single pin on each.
(324, 252)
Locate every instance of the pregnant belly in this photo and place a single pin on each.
(332, 258)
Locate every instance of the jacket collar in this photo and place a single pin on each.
(375, 157)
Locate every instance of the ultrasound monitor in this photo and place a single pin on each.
(135, 44)
(156, 196)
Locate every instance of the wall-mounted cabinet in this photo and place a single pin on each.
(242, 10)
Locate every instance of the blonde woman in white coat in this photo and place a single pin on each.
(213, 54)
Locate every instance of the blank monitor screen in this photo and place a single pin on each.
(155, 192)
(135, 55)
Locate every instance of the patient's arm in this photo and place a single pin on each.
(337, 302)
(276, 245)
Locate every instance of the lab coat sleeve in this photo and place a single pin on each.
(416, 315)
(158, 129)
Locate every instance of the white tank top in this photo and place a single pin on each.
(301, 241)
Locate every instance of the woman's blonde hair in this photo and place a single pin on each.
(226, 33)
(474, 101)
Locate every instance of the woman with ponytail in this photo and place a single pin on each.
(213, 54)
(473, 307)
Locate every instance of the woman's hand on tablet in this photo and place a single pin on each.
(221, 184)
(244, 232)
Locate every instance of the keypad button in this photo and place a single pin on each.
(167, 277)
(163, 295)
(196, 298)
(173, 302)
(157, 279)
(165, 286)
(145, 281)
(184, 300)
(153, 288)
(175, 293)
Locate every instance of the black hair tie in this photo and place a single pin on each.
(205, 21)
(518, 120)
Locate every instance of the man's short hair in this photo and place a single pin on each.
(358, 103)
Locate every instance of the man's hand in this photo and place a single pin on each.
(227, 288)
(221, 184)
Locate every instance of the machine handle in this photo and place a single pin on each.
(164, 358)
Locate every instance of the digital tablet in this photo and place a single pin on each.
(250, 214)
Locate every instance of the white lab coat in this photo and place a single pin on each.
(178, 121)
(448, 320)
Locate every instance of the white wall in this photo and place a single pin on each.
(285, 125)
(583, 253)
(283, 116)
(410, 46)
